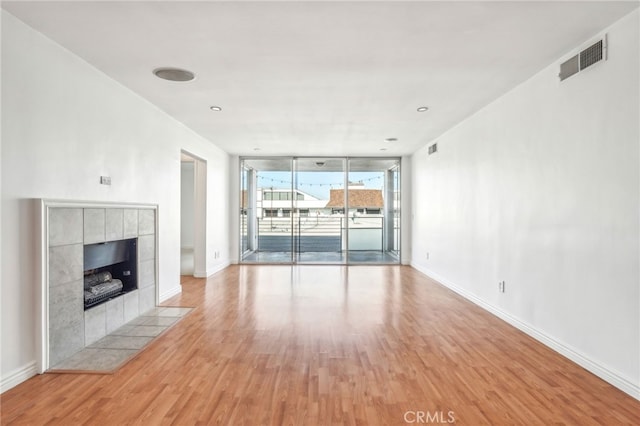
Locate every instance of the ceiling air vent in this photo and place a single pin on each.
(589, 56)
(433, 148)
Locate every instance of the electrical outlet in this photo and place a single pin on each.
(105, 180)
(501, 286)
(427, 255)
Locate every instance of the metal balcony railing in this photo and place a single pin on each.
(321, 233)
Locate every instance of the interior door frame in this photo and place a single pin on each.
(200, 214)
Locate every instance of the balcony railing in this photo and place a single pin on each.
(320, 233)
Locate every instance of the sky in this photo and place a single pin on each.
(318, 184)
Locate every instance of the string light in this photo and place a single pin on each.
(339, 184)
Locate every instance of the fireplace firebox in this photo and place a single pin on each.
(110, 270)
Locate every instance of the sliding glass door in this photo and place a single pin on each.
(269, 210)
(320, 210)
(373, 210)
(319, 225)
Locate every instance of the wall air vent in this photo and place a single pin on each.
(433, 148)
(569, 67)
(589, 56)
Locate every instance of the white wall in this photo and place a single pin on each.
(187, 215)
(64, 124)
(541, 189)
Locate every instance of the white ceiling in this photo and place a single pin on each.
(321, 78)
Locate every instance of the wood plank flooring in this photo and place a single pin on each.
(328, 345)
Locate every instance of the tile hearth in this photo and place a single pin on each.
(112, 351)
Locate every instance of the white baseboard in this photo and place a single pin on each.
(170, 293)
(217, 268)
(573, 354)
(18, 376)
(200, 274)
(212, 269)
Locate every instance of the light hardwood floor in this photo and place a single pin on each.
(322, 345)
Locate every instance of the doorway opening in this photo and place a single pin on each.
(193, 193)
(315, 210)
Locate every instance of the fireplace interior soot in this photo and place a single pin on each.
(110, 269)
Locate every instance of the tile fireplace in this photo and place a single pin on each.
(100, 272)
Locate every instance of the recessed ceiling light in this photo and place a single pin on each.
(391, 139)
(215, 108)
(174, 74)
(423, 109)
